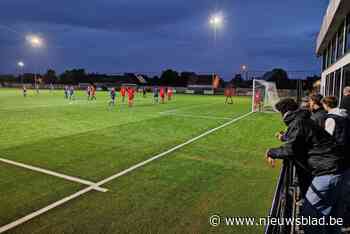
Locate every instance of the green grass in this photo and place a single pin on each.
(223, 173)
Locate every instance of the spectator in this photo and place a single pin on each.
(337, 122)
(345, 104)
(311, 147)
(317, 110)
(305, 103)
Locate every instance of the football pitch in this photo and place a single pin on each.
(82, 167)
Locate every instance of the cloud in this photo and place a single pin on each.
(119, 15)
(109, 35)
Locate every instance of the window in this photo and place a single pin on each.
(329, 55)
(340, 41)
(330, 84)
(347, 33)
(334, 50)
(324, 60)
(346, 76)
(337, 81)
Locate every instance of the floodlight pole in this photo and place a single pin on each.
(215, 23)
(35, 42)
(20, 66)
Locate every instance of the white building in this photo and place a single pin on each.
(333, 44)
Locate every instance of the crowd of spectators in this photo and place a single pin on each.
(317, 141)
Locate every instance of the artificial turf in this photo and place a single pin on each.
(223, 173)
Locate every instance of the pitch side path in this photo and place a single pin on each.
(222, 172)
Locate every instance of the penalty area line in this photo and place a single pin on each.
(120, 174)
(196, 116)
(56, 174)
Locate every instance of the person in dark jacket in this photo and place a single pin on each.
(337, 123)
(345, 103)
(318, 113)
(311, 147)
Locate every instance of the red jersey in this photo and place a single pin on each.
(257, 97)
(170, 91)
(229, 92)
(161, 92)
(122, 91)
(131, 93)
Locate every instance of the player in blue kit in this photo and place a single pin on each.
(113, 96)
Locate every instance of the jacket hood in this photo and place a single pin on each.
(339, 112)
(294, 115)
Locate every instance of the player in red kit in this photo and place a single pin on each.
(123, 93)
(229, 92)
(257, 101)
(93, 92)
(162, 94)
(170, 93)
(131, 95)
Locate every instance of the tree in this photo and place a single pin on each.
(74, 76)
(279, 76)
(237, 80)
(276, 75)
(169, 77)
(50, 76)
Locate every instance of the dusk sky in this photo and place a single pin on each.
(113, 36)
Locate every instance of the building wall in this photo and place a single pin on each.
(327, 21)
(336, 57)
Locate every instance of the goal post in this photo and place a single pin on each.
(265, 96)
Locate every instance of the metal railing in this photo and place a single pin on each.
(287, 202)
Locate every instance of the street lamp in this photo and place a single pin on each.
(244, 70)
(20, 65)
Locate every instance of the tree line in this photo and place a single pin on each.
(168, 77)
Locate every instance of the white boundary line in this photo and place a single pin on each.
(195, 116)
(187, 107)
(122, 173)
(76, 102)
(52, 173)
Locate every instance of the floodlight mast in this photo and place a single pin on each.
(36, 42)
(216, 22)
(20, 65)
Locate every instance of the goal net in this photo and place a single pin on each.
(265, 96)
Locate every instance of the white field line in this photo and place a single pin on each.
(196, 116)
(186, 108)
(102, 182)
(56, 174)
(76, 102)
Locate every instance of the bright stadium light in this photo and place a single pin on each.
(35, 41)
(245, 71)
(216, 20)
(20, 64)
